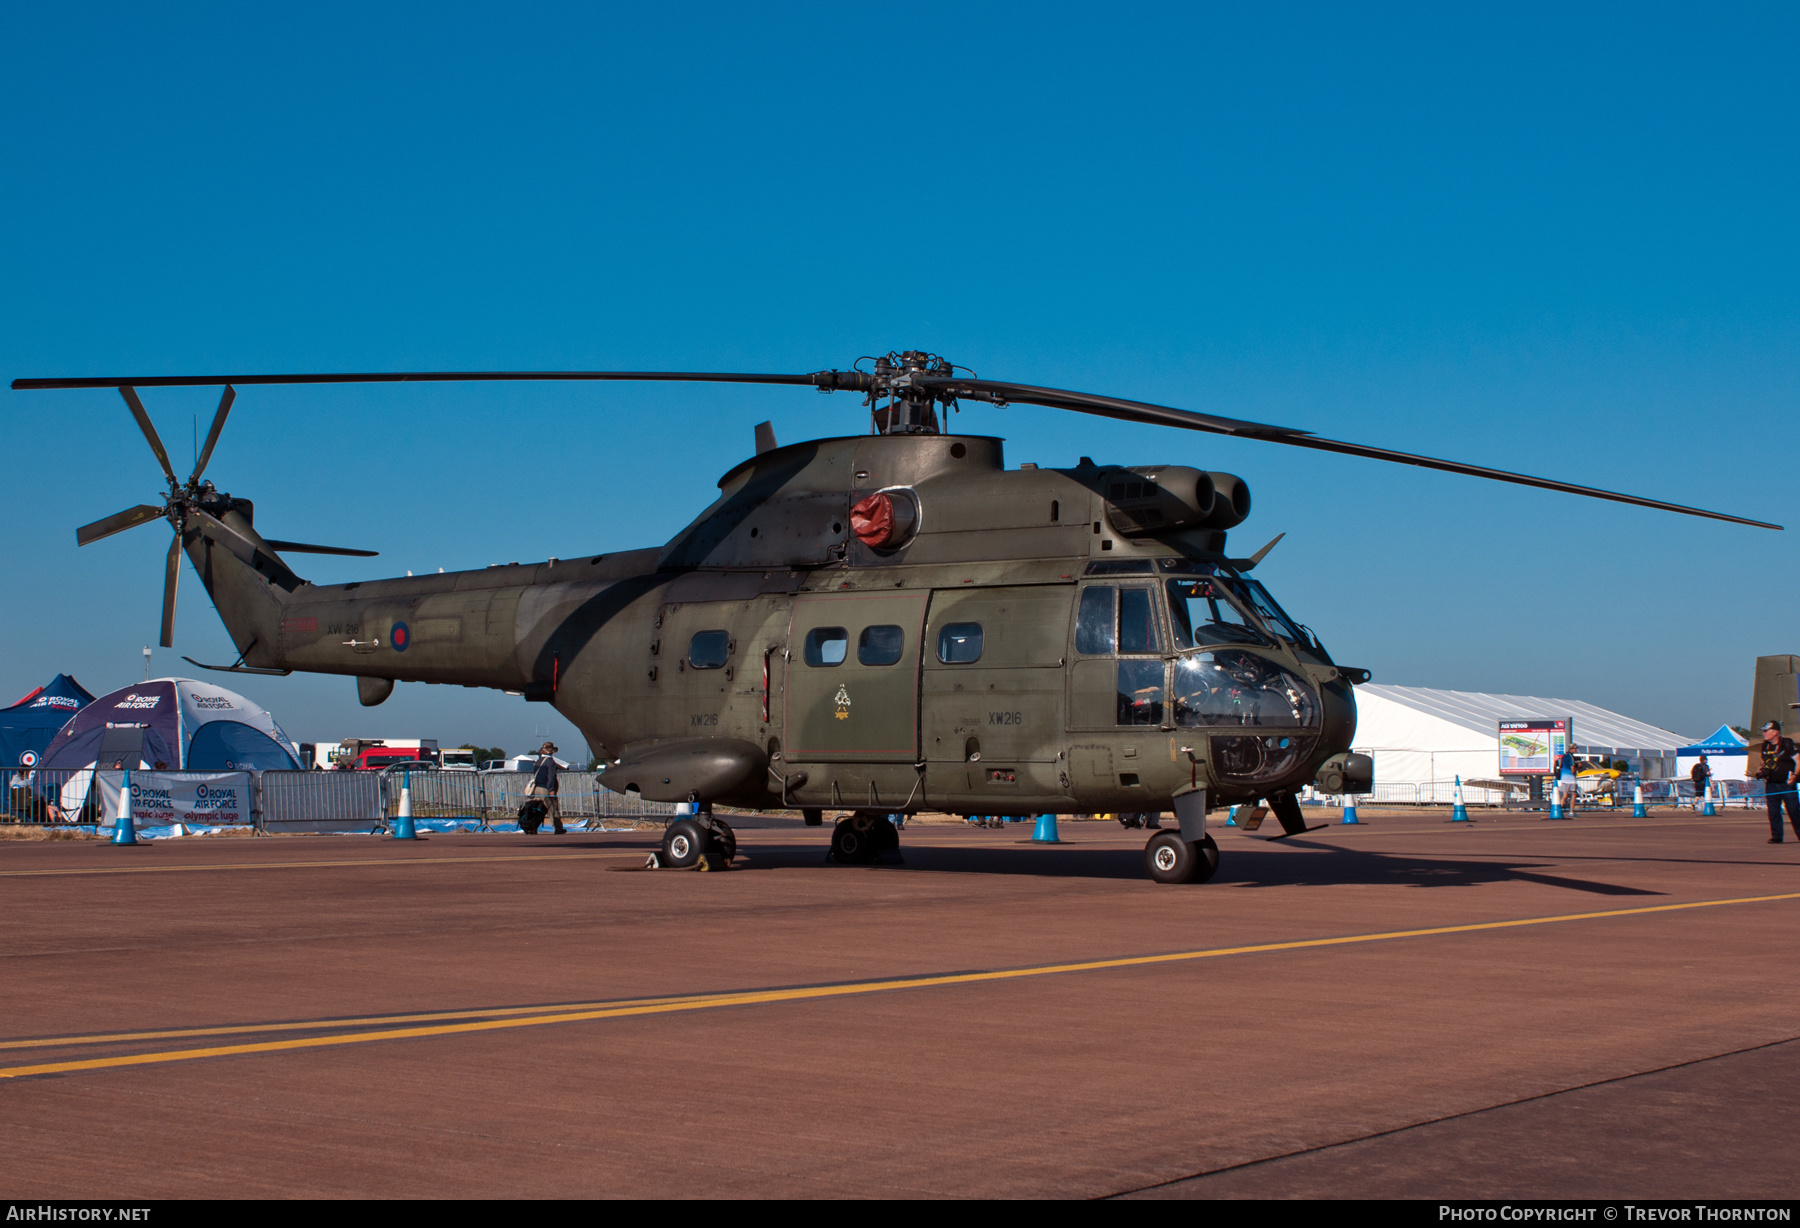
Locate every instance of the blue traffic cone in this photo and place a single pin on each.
(1709, 802)
(1231, 819)
(403, 821)
(1459, 813)
(1637, 803)
(124, 829)
(1556, 807)
(1350, 819)
(1046, 830)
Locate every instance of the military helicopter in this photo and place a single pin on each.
(873, 624)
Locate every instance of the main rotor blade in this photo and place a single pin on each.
(212, 436)
(846, 380)
(143, 421)
(859, 381)
(271, 565)
(1105, 407)
(171, 579)
(303, 548)
(1163, 415)
(118, 522)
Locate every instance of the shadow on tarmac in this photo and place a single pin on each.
(1239, 866)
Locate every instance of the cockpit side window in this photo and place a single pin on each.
(1138, 631)
(1203, 612)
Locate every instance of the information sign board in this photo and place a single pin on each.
(1532, 747)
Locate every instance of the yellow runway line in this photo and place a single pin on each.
(322, 1025)
(756, 997)
(315, 865)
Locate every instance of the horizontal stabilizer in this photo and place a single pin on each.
(304, 548)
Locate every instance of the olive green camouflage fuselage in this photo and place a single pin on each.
(707, 639)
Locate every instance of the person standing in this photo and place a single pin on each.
(1777, 774)
(544, 786)
(1565, 779)
(1701, 775)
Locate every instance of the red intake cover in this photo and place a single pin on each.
(872, 520)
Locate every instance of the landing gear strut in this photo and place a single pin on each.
(861, 838)
(1170, 859)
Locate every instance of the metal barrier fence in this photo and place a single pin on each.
(1732, 793)
(497, 796)
(319, 801)
(44, 796)
(341, 801)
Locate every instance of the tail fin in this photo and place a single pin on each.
(247, 580)
(1777, 696)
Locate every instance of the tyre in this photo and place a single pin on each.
(1207, 859)
(684, 843)
(724, 841)
(1170, 859)
(854, 845)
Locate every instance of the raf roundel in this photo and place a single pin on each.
(400, 637)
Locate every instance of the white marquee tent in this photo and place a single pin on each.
(1422, 739)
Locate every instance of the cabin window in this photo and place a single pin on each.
(709, 649)
(959, 643)
(881, 645)
(1094, 623)
(826, 645)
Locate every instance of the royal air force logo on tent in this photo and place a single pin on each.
(28, 759)
(400, 637)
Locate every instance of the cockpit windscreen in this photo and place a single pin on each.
(1203, 612)
(1257, 598)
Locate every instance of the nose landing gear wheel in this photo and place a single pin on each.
(1170, 859)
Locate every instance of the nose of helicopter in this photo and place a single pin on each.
(1337, 700)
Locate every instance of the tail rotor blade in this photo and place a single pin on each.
(143, 421)
(171, 578)
(130, 518)
(212, 436)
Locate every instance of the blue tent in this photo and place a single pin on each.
(27, 727)
(1725, 741)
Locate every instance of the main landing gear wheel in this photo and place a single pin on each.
(684, 843)
(860, 839)
(1170, 859)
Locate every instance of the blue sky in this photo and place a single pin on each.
(1558, 239)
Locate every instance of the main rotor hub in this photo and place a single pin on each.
(911, 405)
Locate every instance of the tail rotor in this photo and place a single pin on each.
(194, 507)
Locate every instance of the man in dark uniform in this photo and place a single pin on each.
(1777, 774)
